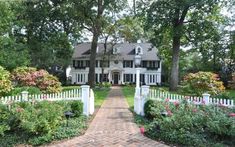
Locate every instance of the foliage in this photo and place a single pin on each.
(42, 118)
(187, 124)
(18, 90)
(37, 123)
(173, 25)
(77, 108)
(4, 116)
(5, 83)
(201, 82)
(29, 76)
(68, 88)
(104, 85)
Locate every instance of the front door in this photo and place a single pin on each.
(115, 76)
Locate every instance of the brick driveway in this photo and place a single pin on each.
(112, 126)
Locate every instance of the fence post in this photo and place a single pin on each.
(85, 98)
(25, 95)
(205, 98)
(137, 101)
(92, 102)
(144, 94)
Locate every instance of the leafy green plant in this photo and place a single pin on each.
(4, 117)
(5, 83)
(18, 90)
(201, 82)
(77, 108)
(41, 118)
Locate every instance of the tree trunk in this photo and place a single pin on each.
(91, 75)
(175, 64)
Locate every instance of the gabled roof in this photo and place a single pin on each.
(126, 51)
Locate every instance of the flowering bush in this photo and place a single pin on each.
(190, 125)
(201, 82)
(5, 83)
(28, 76)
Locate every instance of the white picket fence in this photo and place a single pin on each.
(161, 95)
(85, 94)
(146, 93)
(74, 94)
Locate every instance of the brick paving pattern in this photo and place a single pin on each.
(112, 126)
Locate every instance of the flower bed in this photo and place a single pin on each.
(39, 122)
(189, 125)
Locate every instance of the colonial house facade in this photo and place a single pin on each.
(117, 65)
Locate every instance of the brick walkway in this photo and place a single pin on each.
(112, 126)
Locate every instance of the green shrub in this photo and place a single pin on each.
(152, 110)
(4, 117)
(41, 118)
(5, 83)
(201, 82)
(77, 108)
(18, 90)
(28, 76)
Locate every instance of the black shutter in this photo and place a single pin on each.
(74, 63)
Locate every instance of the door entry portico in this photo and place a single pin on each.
(115, 77)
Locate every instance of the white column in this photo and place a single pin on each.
(122, 77)
(98, 77)
(137, 100)
(144, 94)
(25, 95)
(206, 98)
(92, 102)
(85, 98)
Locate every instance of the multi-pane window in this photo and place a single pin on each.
(128, 78)
(80, 78)
(105, 78)
(87, 63)
(79, 63)
(127, 64)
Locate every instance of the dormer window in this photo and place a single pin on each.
(115, 50)
(138, 50)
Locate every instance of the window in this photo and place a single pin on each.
(87, 63)
(128, 78)
(138, 50)
(115, 50)
(105, 78)
(80, 78)
(127, 64)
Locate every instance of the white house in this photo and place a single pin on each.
(119, 68)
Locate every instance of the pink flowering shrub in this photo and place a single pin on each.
(186, 124)
(28, 76)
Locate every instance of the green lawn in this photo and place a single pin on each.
(100, 96)
(129, 93)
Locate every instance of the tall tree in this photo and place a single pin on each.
(96, 15)
(184, 21)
